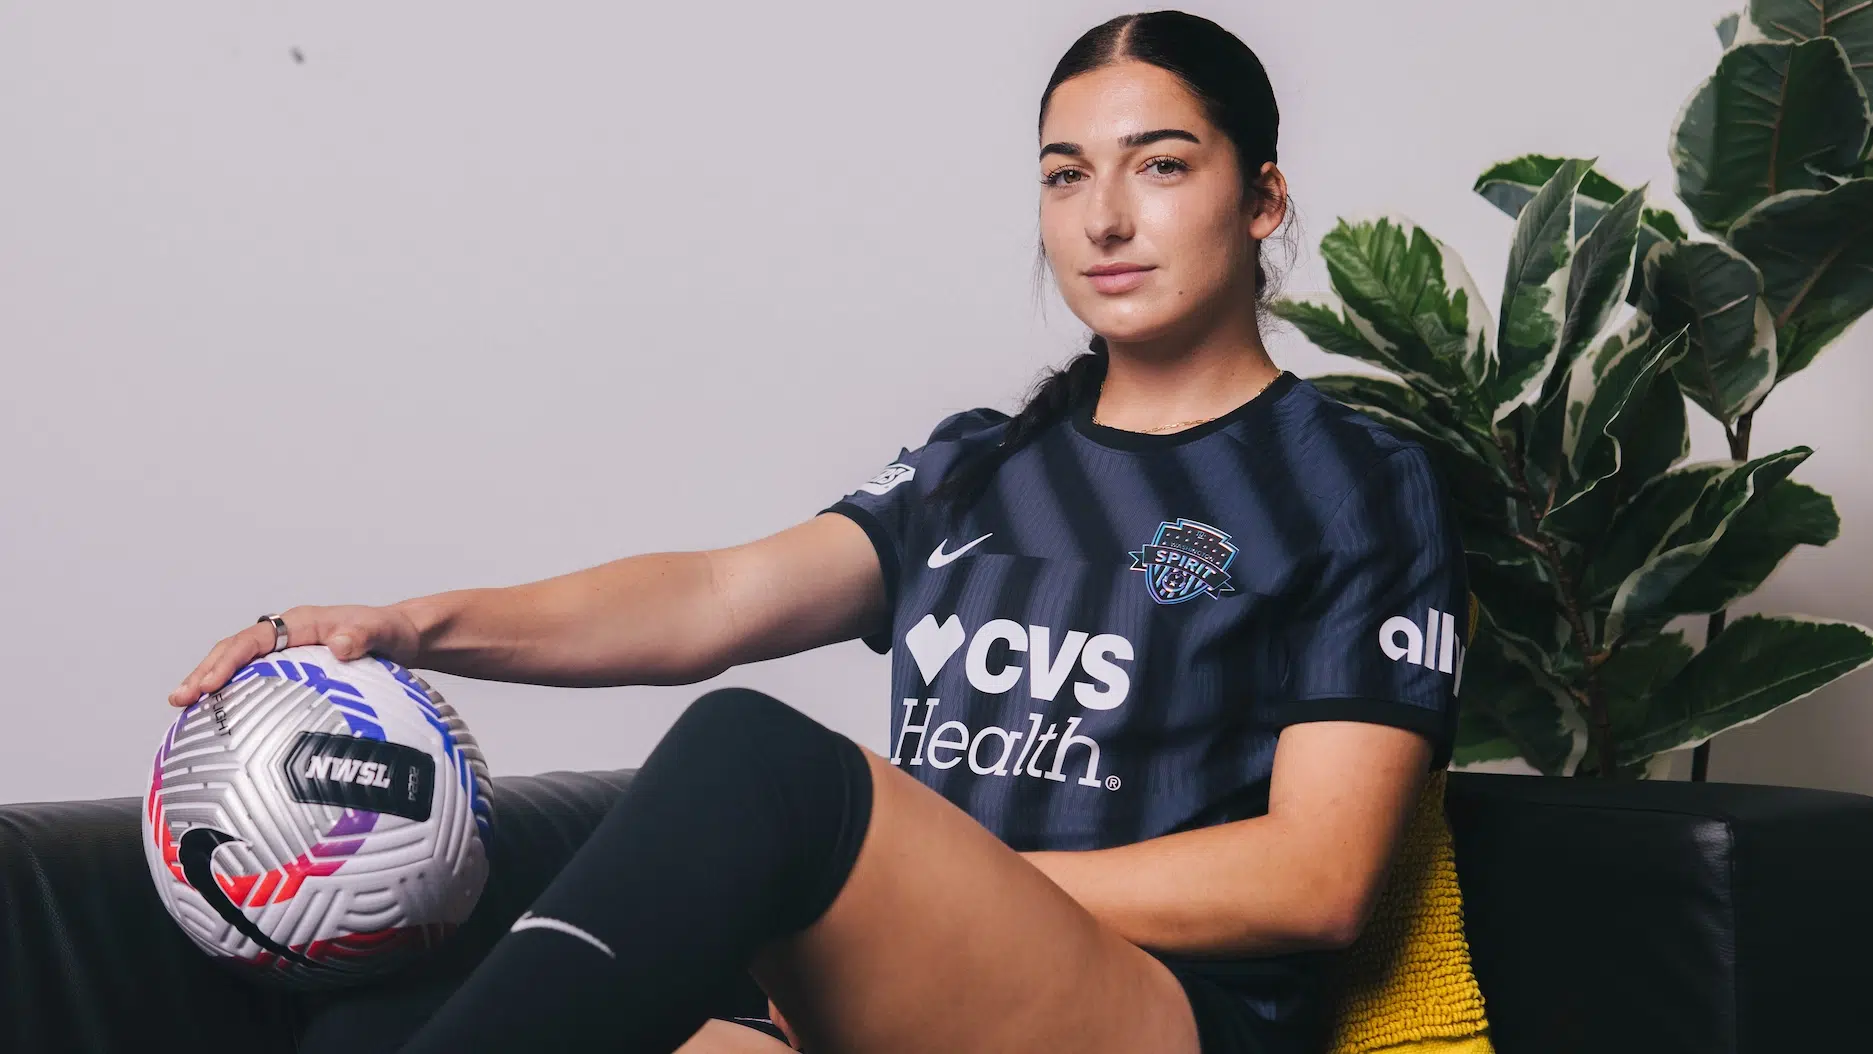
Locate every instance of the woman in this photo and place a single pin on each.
(1170, 664)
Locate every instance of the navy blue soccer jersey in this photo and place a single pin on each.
(1106, 645)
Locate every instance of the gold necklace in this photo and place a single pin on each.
(1175, 425)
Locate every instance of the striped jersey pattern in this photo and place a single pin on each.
(1106, 644)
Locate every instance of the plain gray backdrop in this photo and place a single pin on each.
(348, 302)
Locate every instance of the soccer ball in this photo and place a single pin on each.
(317, 821)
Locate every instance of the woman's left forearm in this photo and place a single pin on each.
(1303, 875)
(1232, 888)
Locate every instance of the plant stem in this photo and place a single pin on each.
(1739, 451)
(1599, 718)
(1739, 439)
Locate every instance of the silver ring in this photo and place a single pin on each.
(279, 630)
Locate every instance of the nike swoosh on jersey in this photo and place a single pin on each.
(938, 557)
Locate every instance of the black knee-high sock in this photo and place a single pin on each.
(740, 828)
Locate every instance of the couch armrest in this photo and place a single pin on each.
(1659, 917)
(90, 961)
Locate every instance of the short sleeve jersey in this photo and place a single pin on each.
(1105, 646)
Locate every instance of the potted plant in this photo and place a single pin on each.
(1559, 423)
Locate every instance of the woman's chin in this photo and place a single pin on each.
(1140, 327)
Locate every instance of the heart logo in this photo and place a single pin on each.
(932, 644)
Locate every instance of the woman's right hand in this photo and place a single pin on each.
(351, 631)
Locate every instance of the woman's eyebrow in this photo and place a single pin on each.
(1134, 140)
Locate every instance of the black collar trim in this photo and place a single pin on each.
(1120, 439)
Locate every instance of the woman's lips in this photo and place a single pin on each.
(1119, 281)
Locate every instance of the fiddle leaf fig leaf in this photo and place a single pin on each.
(1814, 249)
(1758, 540)
(1848, 21)
(1510, 185)
(1658, 508)
(1713, 293)
(1653, 436)
(1726, 28)
(1528, 714)
(1653, 591)
(1775, 116)
(1600, 275)
(1758, 663)
(1601, 388)
(1410, 297)
(1475, 473)
(1534, 302)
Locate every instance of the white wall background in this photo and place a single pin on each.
(477, 293)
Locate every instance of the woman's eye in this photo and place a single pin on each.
(1059, 177)
(1165, 166)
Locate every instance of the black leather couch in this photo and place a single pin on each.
(1644, 917)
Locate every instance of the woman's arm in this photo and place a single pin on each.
(663, 618)
(1305, 875)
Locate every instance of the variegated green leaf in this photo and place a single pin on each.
(1489, 539)
(1534, 298)
(1652, 591)
(1756, 543)
(1601, 390)
(1653, 436)
(1664, 226)
(1848, 21)
(1411, 297)
(1633, 676)
(1600, 275)
(1510, 708)
(1755, 665)
(1544, 455)
(1480, 740)
(1774, 117)
(1655, 226)
(1471, 468)
(1815, 251)
(1726, 29)
(1523, 608)
(1657, 509)
(1510, 185)
(1320, 321)
(1727, 495)
(1713, 292)
(1391, 401)
(1362, 390)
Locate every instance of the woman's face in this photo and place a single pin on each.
(1136, 181)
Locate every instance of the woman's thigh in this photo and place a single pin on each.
(946, 940)
(726, 1037)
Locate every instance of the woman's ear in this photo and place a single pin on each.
(1271, 202)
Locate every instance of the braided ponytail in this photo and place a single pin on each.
(1052, 399)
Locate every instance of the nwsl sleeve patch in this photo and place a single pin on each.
(894, 474)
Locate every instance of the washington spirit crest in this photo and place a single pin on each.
(1187, 559)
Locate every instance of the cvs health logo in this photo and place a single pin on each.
(1102, 684)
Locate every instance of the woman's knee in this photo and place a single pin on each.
(741, 725)
(794, 796)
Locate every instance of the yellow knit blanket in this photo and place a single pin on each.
(1406, 984)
